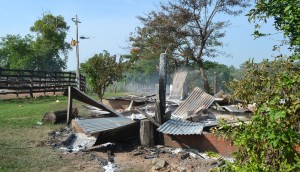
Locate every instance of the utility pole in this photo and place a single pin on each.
(77, 52)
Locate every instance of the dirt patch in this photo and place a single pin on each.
(129, 157)
(80, 161)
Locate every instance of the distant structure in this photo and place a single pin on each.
(179, 88)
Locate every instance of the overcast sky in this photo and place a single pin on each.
(108, 23)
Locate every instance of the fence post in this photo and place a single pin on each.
(40, 81)
(31, 84)
(69, 79)
(18, 75)
(30, 81)
(55, 75)
(0, 73)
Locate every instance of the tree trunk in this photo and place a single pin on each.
(59, 116)
(203, 76)
(186, 62)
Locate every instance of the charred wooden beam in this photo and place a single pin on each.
(80, 96)
(162, 84)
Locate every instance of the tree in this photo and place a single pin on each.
(217, 74)
(143, 71)
(15, 51)
(187, 29)
(286, 17)
(51, 32)
(101, 70)
(42, 52)
(269, 142)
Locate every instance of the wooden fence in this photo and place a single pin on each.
(15, 81)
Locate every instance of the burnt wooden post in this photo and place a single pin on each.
(162, 85)
(69, 113)
(146, 133)
(161, 105)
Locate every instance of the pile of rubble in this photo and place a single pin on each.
(137, 120)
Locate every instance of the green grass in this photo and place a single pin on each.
(21, 113)
(21, 136)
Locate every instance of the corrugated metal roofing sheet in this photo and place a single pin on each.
(96, 125)
(198, 99)
(181, 127)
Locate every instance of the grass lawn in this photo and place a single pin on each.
(21, 136)
(22, 139)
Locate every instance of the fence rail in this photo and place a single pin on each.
(15, 81)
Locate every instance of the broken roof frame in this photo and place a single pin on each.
(95, 125)
(80, 96)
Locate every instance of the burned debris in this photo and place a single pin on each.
(138, 120)
(184, 121)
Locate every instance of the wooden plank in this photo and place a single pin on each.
(29, 81)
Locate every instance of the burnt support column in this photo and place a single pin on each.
(146, 133)
(162, 85)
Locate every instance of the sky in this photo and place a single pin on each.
(109, 23)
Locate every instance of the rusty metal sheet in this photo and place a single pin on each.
(197, 100)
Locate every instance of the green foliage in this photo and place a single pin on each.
(51, 32)
(101, 70)
(143, 71)
(42, 52)
(268, 143)
(146, 72)
(212, 154)
(15, 51)
(286, 15)
(222, 73)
